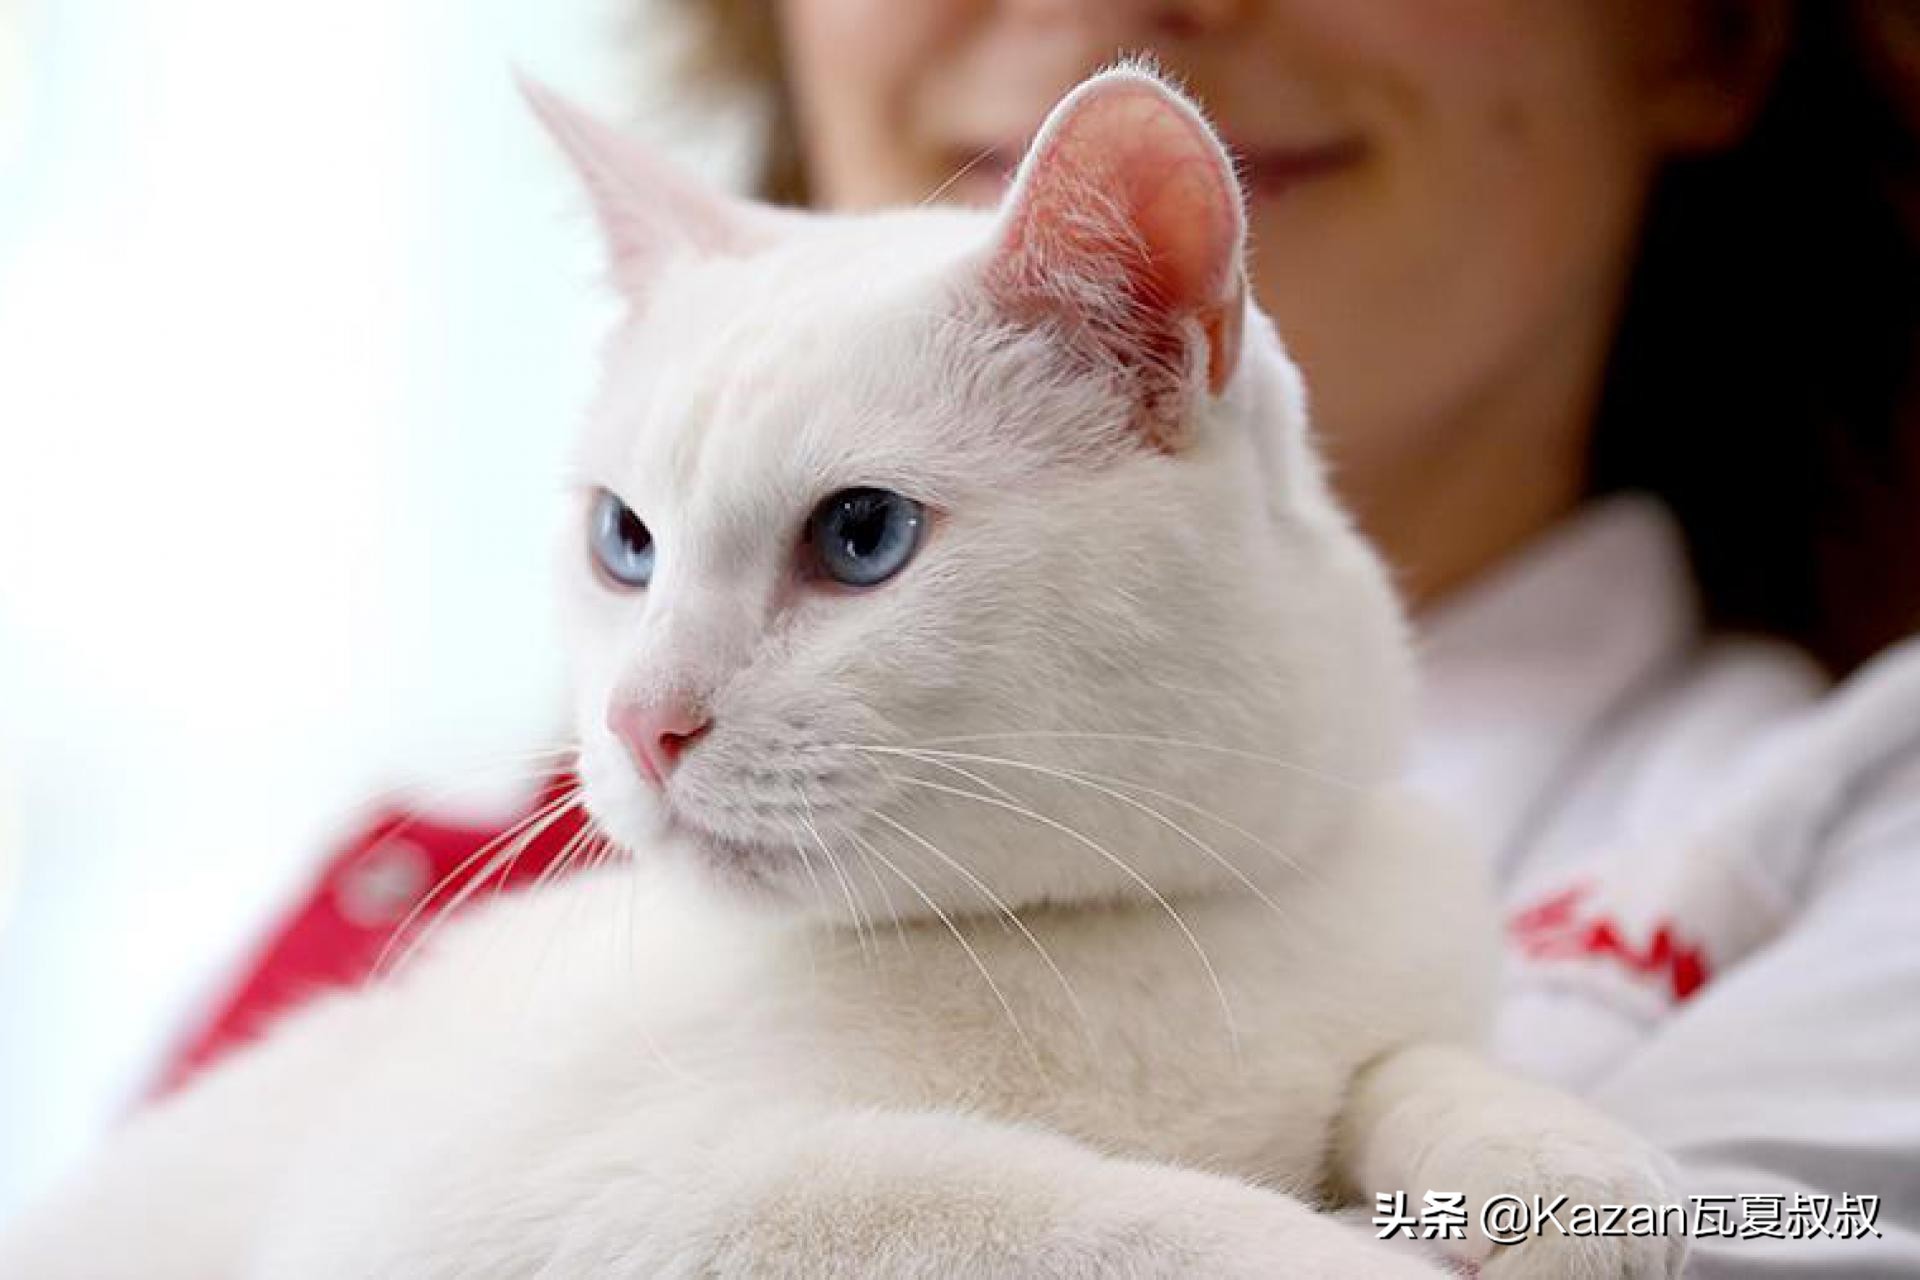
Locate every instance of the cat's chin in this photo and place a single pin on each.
(751, 870)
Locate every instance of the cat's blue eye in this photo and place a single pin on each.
(862, 537)
(621, 545)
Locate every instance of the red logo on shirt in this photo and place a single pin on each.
(1562, 927)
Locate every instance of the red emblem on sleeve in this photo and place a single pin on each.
(399, 872)
(1566, 925)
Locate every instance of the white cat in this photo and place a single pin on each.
(1003, 719)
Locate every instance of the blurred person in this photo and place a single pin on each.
(1608, 314)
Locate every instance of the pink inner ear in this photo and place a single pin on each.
(1127, 185)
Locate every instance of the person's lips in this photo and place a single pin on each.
(981, 174)
(1271, 171)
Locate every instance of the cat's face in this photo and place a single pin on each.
(953, 559)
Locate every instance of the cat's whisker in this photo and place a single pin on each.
(1120, 864)
(846, 885)
(575, 845)
(588, 847)
(838, 862)
(633, 910)
(1098, 788)
(547, 751)
(880, 886)
(1149, 740)
(819, 891)
(1000, 791)
(984, 154)
(578, 841)
(486, 851)
(603, 854)
(533, 765)
(806, 862)
(1206, 693)
(1013, 917)
(536, 764)
(496, 854)
(1000, 996)
(487, 762)
(1278, 854)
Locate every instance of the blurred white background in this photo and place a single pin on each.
(297, 311)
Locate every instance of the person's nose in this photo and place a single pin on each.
(1140, 19)
(657, 732)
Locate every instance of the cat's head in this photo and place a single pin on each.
(965, 558)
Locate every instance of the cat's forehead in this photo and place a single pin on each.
(836, 357)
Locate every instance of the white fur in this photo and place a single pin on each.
(800, 1035)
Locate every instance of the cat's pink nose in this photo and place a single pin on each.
(655, 733)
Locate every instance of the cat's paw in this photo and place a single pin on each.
(1585, 1229)
(1587, 1258)
(1586, 1201)
(1226, 1230)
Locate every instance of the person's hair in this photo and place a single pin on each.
(1763, 378)
(732, 50)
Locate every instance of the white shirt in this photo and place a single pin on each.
(1712, 864)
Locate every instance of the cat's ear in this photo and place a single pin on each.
(648, 210)
(1125, 225)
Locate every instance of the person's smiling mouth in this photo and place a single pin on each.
(980, 175)
(1272, 171)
